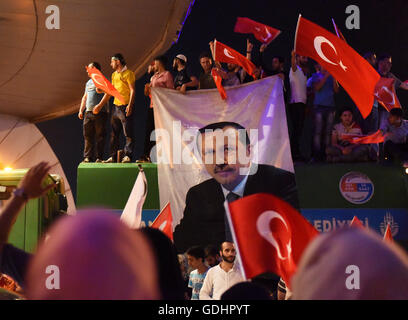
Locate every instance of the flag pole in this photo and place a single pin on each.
(335, 28)
(296, 32)
(227, 211)
(213, 49)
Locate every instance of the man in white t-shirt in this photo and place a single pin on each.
(297, 103)
(223, 276)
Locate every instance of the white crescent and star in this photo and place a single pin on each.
(318, 41)
(262, 225)
(384, 88)
(94, 78)
(228, 54)
(268, 35)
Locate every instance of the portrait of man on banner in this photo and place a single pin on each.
(225, 151)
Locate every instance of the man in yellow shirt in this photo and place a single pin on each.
(123, 80)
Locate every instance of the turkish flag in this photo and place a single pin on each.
(270, 234)
(164, 221)
(262, 32)
(351, 70)
(387, 233)
(223, 53)
(376, 137)
(104, 84)
(218, 80)
(385, 94)
(356, 223)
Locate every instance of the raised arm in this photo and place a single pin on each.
(30, 187)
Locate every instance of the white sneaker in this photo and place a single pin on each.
(125, 159)
(110, 160)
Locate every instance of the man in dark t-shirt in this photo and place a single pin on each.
(182, 79)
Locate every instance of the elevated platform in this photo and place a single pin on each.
(330, 194)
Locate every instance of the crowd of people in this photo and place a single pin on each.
(94, 255)
(306, 93)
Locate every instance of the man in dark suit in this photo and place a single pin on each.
(225, 150)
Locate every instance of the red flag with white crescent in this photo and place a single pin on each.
(223, 53)
(104, 84)
(218, 82)
(351, 70)
(388, 234)
(164, 221)
(269, 233)
(385, 94)
(261, 32)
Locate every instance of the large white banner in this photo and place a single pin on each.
(257, 105)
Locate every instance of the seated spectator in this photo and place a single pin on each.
(212, 257)
(196, 258)
(246, 291)
(98, 258)
(183, 80)
(342, 150)
(206, 80)
(170, 277)
(396, 142)
(328, 268)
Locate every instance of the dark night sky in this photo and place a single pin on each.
(383, 28)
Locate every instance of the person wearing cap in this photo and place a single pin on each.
(123, 80)
(182, 80)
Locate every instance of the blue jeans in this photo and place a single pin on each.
(121, 123)
(323, 125)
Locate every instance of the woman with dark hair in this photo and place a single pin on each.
(171, 283)
(161, 78)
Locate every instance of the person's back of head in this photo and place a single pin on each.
(396, 112)
(351, 264)
(93, 256)
(170, 278)
(246, 291)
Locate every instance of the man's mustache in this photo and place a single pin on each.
(222, 167)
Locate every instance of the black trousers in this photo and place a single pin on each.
(148, 145)
(120, 123)
(297, 113)
(397, 152)
(94, 129)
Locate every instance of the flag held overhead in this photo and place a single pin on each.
(261, 32)
(351, 70)
(223, 53)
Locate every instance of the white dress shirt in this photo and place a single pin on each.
(218, 281)
(298, 83)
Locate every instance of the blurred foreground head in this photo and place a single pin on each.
(98, 257)
(168, 267)
(383, 268)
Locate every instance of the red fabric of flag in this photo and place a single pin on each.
(218, 82)
(385, 94)
(261, 32)
(104, 84)
(356, 223)
(376, 137)
(164, 222)
(351, 70)
(223, 53)
(388, 234)
(270, 235)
